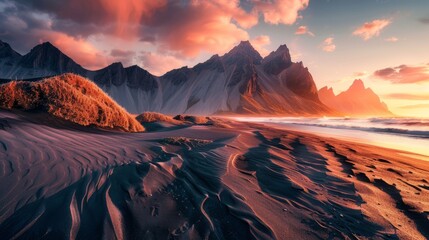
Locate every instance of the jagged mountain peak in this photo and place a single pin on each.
(278, 60)
(357, 85)
(134, 67)
(243, 53)
(283, 51)
(48, 57)
(214, 63)
(245, 44)
(116, 65)
(137, 69)
(6, 51)
(46, 46)
(355, 101)
(327, 90)
(4, 44)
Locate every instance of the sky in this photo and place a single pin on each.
(383, 42)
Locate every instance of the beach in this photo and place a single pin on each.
(227, 179)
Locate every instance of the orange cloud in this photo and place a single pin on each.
(404, 74)
(280, 11)
(407, 96)
(391, 39)
(180, 28)
(371, 29)
(303, 30)
(233, 9)
(159, 64)
(328, 45)
(202, 26)
(415, 106)
(260, 42)
(128, 14)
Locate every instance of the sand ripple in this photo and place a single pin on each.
(248, 182)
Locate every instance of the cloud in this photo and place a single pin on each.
(124, 56)
(407, 96)
(360, 74)
(371, 29)
(201, 26)
(303, 30)
(109, 16)
(78, 49)
(158, 63)
(414, 106)
(259, 44)
(391, 39)
(424, 20)
(404, 74)
(328, 45)
(121, 53)
(280, 11)
(182, 29)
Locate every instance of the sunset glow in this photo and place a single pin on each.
(337, 40)
(214, 119)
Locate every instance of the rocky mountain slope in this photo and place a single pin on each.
(355, 101)
(240, 81)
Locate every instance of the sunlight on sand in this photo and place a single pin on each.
(415, 140)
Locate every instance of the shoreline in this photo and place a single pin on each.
(416, 146)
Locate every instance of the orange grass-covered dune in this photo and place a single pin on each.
(70, 97)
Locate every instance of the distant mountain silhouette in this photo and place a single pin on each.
(355, 101)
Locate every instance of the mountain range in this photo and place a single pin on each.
(355, 101)
(239, 82)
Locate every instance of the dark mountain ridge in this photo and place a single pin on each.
(239, 82)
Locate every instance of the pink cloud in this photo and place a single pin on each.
(404, 74)
(78, 49)
(371, 29)
(328, 45)
(183, 29)
(303, 30)
(259, 44)
(280, 11)
(159, 64)
(129, 13)
(203, 26)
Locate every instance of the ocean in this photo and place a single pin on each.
(405, 134)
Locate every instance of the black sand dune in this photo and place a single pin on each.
(225, 181)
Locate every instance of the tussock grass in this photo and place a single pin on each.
(70, 97)
(151, 117)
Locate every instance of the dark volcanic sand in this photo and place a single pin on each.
(227, 181)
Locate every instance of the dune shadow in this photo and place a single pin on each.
(332, 217)
(144, 201)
